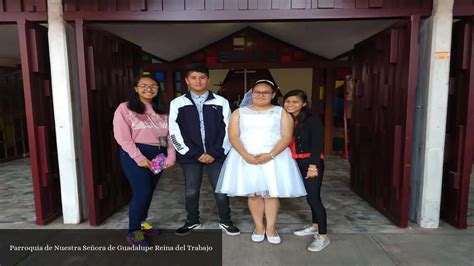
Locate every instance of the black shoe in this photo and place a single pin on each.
(229, 228)
(187, 228)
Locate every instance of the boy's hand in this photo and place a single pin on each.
(206, 158)
(202, 157)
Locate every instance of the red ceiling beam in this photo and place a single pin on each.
(178, 67)
(30, 16)
(247, 15)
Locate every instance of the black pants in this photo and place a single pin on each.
(313, 188)
(193, 179)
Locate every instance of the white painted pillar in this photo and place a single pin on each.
(63, 113)
(434, 85)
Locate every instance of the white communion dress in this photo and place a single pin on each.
(279, 177)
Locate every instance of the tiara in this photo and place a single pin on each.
(265, 80)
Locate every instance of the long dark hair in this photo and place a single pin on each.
(305, 111)
(136, 105)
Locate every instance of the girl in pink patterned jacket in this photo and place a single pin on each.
(141, 130)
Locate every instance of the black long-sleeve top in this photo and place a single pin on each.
(309, 138)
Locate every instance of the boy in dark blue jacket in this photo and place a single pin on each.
(198, 124)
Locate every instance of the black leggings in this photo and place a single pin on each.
(313, 188)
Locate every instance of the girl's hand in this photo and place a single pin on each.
(263, 158)
(312, 172)
(249, 158)
(145, 164)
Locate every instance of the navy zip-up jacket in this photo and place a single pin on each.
(185, 131)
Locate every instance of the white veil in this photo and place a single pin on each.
(247, 100)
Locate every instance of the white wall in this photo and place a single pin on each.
(217, 76)
(294, 78)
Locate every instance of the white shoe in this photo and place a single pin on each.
(274, 239)
(306, 231)
(319, 243)
(258, 238)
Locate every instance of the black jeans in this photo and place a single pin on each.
(313, 188)
(193, 179)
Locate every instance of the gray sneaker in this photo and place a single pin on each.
(308, 230)
(319, 243)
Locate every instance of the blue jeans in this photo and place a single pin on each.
(193, 179)
(143, 183)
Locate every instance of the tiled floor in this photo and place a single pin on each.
(347, 213)
(16, 193)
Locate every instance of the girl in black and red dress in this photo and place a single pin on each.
(306, 148)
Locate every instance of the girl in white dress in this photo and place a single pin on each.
(259, 166)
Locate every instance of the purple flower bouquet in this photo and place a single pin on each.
(158, 163)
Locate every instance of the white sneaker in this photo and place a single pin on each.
(258, 238)
(274, 239)
(306, 231)
(319, 243)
